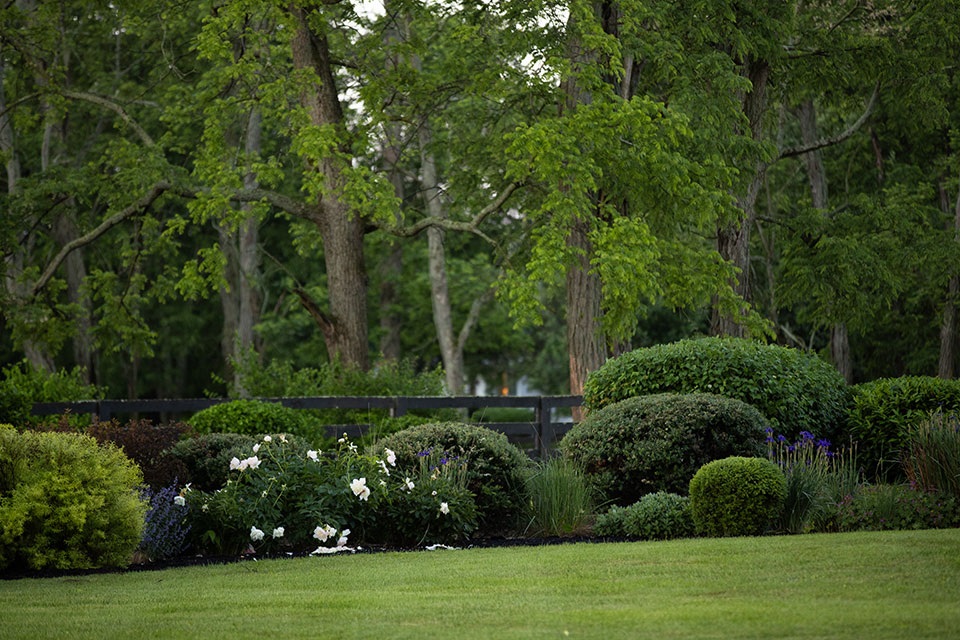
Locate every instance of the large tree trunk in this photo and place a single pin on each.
(819, 196)
(585, 343)
(345, 326)
(733, 240)
(948, 326)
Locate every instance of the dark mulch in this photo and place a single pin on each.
(195, 561)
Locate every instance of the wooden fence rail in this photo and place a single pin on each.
(542, 432)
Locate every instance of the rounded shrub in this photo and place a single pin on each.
(66, 502)
(656, 516)
(884, 411)
(796, 391)
(495, 468)
(145, 443)
(254, 417)
(204, 460)
(737, 496)
(656, 443)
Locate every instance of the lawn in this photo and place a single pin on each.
(857, 585)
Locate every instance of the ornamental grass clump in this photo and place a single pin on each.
(931, 457)
(737, 496)
(559, 498)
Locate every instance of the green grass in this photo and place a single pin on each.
(861, 585)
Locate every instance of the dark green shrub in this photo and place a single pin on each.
(252, 417)
(22, 385)
(656, 443)
(144, 443)
(656, 516)
(888, 507)
(204, 460)
(885, 410)
(66, 502)
(796, 391)
(737, 496)
(495, 467)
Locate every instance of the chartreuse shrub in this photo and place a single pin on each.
(282, 498)
(656, 443)
(796, 391)
(204, 460)
(495, 468)
(737, 496)
(884, 411)
(656, 516)
(66, 502)
(22, 385)
(253, 417)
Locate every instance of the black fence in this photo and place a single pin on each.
(538, 436)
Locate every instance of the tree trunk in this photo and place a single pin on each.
(948, 326)
(345, 327)
(733, 240)
(587, 348)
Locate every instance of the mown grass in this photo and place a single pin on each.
(859, 585)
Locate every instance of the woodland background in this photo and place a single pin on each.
(505, 189)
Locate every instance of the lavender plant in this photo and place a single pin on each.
(166, 529)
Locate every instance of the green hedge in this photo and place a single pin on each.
(66, 502)
(885, 410)
(796, 391)
(737, 496)
(656, 443)
(254, 417)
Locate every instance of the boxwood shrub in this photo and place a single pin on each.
(796, 391)
(656, 443)
(496, 469)
(656, 516)
(253, 417)
(737, 496)
(66, 502)
(885, 410)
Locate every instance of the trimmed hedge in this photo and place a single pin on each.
(656, 443)
(66, 502)
(737, 496)
(885, 410)
(796, 391)
(496, 469)
(253, 417)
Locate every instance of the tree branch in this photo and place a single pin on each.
(827, 142)
(155, 192)
(116, 108)
(452, 225)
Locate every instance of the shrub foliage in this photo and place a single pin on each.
(737, 496)
(656, 443)
(145, 443)
(66, 502)
(796, 391)
(656, 516)
(254, 417)
(204, 460)
(495, 467)
(884, 412)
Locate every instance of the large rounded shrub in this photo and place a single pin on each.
(737, 496)
(656, 443)
(796, 391)
(495, 468)
(884, 411)
(66, 502)
(253, 417)
(204, 460)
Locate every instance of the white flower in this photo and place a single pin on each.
(205, 507)
(360, 488)
(180, 501)
(255, 534)
(313, 454)
(342, 542)
(352, 447)
(256, 447)
(330, 550)
(391, 457)
(444, 508)
(253, 462)
(433, 493)
(324, 532)
(278, 532)
(234, 464)
(383, 465)
(267, 439)
(187, 487)
(409, 484)
(283, 438)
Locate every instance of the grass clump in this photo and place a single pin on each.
(560, 499)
